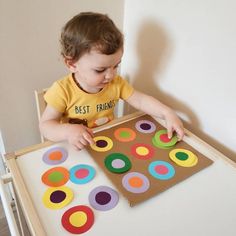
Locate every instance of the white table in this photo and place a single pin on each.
(202, 205)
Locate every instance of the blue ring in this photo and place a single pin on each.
(170, 174)
(85, 180)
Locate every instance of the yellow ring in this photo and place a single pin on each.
(51, 205)
(102, 149)
(191, 161)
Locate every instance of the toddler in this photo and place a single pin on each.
(92, 48)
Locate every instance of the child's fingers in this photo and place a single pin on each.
(169, 132)
(90, 132)
(88, 137)
(180, 133)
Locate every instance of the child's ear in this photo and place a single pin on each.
(70, 64)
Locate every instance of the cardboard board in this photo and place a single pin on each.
(142, 166)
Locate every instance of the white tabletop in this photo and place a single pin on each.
(204, 204)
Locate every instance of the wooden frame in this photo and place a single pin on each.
(25, 200)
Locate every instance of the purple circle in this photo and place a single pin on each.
(145, 126)
(101, 143)
(103, 198)
(118, 164)
(48, 161)
(143, 188)
(103, 191)
(57, 196)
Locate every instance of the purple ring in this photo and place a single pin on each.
(55, 162)
(145, 126)
(105, 206)
(143, 188)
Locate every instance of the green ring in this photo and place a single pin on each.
(110, 158)
(154, 142)
(172, 142)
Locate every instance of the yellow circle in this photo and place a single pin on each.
(78, 219)
(142, 151)
(52, 205)
(102, 149)
(191, 161)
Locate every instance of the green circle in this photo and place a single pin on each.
(115, 156)
(124, 134)
(161, 144)
(55, 176)
(181, 156)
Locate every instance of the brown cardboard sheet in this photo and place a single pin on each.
(138, 165)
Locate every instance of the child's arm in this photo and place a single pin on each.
(153, 107)
(51, 128)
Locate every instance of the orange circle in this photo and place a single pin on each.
(129, 134)
(136, 182)
(56, 155)
(46, 177)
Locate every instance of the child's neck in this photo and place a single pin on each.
(83, 87)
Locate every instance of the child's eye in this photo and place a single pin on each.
(99, 71)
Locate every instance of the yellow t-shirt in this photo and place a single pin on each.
(78, 106)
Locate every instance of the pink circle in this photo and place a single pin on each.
(81, 173)
(161, 169)
(118, 163)
(164, 138)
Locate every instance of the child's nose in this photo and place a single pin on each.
(110, 74)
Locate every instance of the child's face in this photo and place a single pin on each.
(94, 70)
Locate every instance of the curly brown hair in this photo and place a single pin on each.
(89, 30)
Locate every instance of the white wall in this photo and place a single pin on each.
(183, 52)
(30, 58)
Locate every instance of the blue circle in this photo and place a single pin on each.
(170, 174)
(85, 180)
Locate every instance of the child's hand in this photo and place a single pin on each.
(79, 136)
(174, 124)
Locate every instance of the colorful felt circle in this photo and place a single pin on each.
(117, 163)
(183, 157)
(161, 170)
(142, 151)
(102, 144)
(103, 198)
(82, 174)
(135, 182)
(145, 126)
(124, 134)
(161, 139)
(55, 156)
(56, 198)
(78, 219)
(55, 177)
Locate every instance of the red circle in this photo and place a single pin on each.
(164, 138)
(150, 154)
(78, 230)
(161, 169)
(82, 173)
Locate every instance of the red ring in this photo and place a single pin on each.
(78, 230)
(143, 157)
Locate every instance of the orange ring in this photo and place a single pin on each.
(124, 131)
(53, 171)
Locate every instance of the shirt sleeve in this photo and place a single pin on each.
(56, 97)
(126, 90)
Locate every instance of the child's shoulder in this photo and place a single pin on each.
(64, 81)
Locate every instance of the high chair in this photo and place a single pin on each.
(41, 105)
